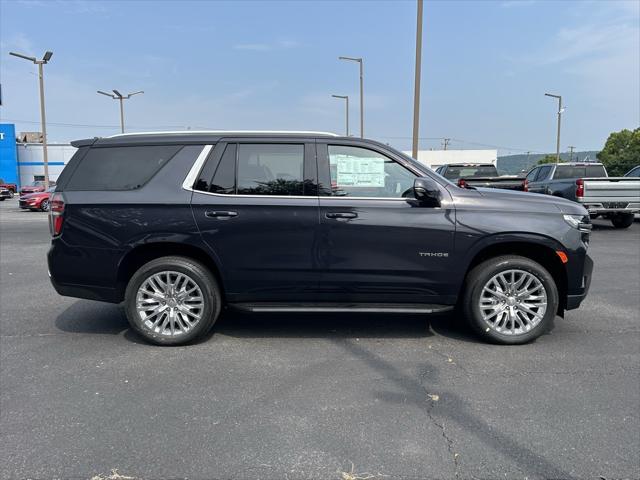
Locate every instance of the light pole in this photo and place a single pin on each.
(416, 89)
(571, 149)
(346, 98)
(559, 97)
(116, 95)
(45, 59)
(359, 60)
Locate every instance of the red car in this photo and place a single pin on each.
(37, 201)
(12, 187)
(37, 186)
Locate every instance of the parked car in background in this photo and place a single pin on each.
(37, 186)
(179, 225)
(37, 201)
(634, 172)
(12, 187)
(479, 175)
(613, 198)
(5, 193)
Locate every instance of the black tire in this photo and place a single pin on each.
(622, 220)
(482, 273)
(44, 205)
(198, 273)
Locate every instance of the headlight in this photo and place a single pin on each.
(579, 222)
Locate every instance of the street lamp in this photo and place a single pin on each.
(116, 95)
(346, 98)
(45, 59)
(560, 110)
(359, 60)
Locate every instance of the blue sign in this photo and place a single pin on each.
(8, 154)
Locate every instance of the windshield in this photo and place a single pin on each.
(37, 183)
(422, 166)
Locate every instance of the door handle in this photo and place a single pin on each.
(218, 214)
(341, 215)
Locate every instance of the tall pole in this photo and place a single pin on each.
(359, 60)
(571, 148)
(121, 114)
(559, 97)
(346, 99)
(43, 121)
(446, 142)
(416, 88)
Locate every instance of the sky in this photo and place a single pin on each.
(274, 65)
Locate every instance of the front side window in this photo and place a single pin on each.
(360, 172)
(532, 174)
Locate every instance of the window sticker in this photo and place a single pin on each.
(359, 171)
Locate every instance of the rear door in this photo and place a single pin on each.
(256, 205)
(378, 244)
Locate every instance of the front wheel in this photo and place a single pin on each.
(510, 300)
(172, 300)
(44, 205)
(622, 220)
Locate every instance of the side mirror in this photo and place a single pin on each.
(426, 191)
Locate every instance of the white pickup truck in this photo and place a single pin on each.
(614, 198)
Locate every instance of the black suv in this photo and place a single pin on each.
(180, 225)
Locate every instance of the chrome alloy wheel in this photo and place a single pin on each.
(169, 303)
(513, 302)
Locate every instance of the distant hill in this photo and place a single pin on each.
(514, 164)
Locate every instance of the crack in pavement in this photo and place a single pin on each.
(448, 440)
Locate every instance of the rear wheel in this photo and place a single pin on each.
(510, 300)
(172, 300)
(44, 205)
(622, 220)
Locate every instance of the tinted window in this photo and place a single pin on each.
(270, 169)
(461, 171)
(359, 172)
(531, 176)
(543, 173)
(224, 178)
(119, 168)
(596, 171)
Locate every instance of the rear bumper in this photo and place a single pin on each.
(87, 292)
(575, 299)
(610, 207)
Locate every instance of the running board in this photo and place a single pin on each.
(342, 307)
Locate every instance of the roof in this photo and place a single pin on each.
(193, 137)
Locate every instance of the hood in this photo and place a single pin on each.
(512, 200)
(36, 195)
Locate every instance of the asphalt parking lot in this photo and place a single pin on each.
(288, 397)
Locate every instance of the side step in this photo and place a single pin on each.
(267, 307)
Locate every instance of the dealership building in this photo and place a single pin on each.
(23, 163)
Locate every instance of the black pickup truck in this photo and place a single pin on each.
(479, 175)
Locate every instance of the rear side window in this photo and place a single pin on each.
(120, 168)
(543, 173)
(270, 169)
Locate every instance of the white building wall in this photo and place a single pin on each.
(435, 158)
(31, 160)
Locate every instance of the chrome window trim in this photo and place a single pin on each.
(321, 197)
(191, 177)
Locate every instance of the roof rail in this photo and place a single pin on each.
(227, 132)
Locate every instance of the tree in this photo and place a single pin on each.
(621, 152)
(547, 159)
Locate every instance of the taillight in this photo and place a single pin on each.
(462, 183)
(525, 185)
(579, 188)
(56, 213)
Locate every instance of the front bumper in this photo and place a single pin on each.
(574, 300)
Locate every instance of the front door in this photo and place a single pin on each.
(379, 244)
(256, 206)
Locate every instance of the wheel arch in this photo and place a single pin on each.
(542, 253)
(143, 253)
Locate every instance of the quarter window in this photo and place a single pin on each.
(360, 172)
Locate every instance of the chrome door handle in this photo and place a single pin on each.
(341, 215)
(218, 214)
